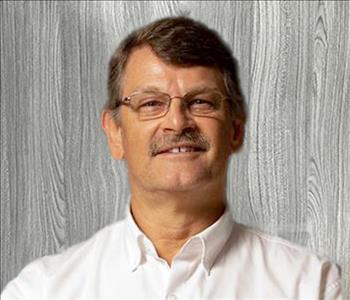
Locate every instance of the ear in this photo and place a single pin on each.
(113, 131)
(238, 133)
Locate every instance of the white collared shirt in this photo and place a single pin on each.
(226, 260)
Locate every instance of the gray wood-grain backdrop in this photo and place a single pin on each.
(59, 184)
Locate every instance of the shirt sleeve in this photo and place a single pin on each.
(29, 284)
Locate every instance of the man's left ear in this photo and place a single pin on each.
(238, 133)
(113, 131)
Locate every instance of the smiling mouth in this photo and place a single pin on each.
(177, 150)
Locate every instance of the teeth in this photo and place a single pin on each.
(185, 149)
(181, 149)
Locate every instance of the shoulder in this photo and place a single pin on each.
(282, 259)
(273, 245)
(30, 282)
(259, 239)
(82, 252)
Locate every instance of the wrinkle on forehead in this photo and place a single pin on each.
(144, 70)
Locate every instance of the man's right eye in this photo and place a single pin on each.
(150, 103)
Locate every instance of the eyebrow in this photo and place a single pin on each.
(196, 90)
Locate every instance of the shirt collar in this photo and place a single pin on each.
(133, 240)
(211, 240)
(214, 238)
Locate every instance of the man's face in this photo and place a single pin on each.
(148, 146)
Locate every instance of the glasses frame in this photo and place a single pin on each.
(127, 102)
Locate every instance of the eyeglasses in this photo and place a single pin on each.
(152, 105)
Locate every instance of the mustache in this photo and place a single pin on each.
(169, 141)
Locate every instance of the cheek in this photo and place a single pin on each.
(134, 147)
(136, 143)
(220, 138)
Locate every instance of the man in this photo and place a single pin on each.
(175, 114)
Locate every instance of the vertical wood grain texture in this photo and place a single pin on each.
(59, 184)
(33, 205)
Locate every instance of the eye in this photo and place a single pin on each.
(201, 103)
(152, 103)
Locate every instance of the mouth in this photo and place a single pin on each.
(181, 149)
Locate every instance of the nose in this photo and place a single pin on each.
(177, 118)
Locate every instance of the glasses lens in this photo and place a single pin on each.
(150, 105)
(205, 103)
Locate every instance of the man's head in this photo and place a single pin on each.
(178, 41)
(177, 57)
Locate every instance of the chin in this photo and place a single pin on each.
(182, 182)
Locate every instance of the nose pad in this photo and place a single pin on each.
(178, 117)
(182, 104)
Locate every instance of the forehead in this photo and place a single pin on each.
(145, 69)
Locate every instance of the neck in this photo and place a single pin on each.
(170, 219)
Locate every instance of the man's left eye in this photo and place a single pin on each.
(201, 102)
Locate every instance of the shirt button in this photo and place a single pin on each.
(171, 297)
